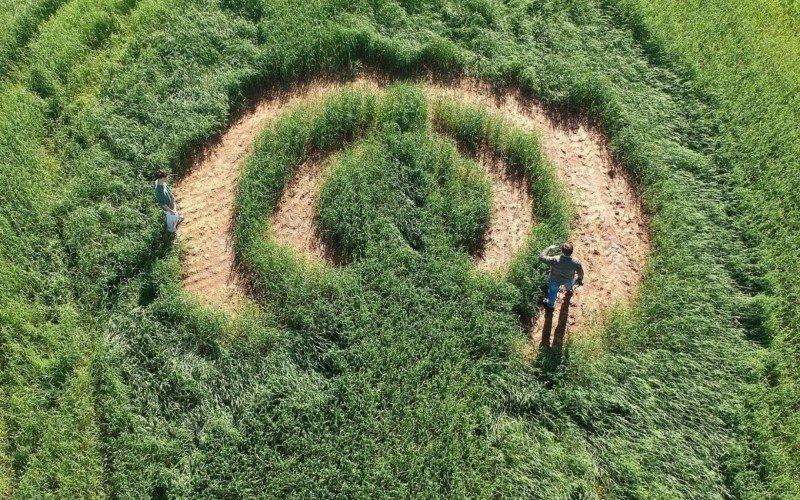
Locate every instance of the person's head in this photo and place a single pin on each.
(161, 176)
(566, 249)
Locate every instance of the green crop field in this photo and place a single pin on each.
(400, 371)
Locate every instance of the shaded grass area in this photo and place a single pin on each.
(654, 408)
(77, 29)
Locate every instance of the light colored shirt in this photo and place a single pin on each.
(562, 268)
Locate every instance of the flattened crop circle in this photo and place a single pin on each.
(297, 148)
(277, 196)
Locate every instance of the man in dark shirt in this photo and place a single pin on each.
(563, 269)
(167, 202)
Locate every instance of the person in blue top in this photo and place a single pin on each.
(167, 202)
(563, 269)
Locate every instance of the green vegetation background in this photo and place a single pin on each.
(746, 58)
(115, 383)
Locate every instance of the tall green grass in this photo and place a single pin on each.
(19, 21)
(77, 28)
(379, 380)
(746, 56)
(47, 418)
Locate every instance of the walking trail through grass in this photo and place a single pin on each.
(609, 230)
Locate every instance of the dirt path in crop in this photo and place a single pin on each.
(206, 199)
(609, 231)
(292, 223)
(511, 218)
(510, 222)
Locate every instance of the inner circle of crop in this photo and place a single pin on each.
(399, 187)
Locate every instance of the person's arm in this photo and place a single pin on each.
(544, 257)
(170, 210)
(580, 274)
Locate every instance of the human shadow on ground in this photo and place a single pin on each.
(554, 338)
(551, 347)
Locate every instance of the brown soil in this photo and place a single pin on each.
(205, 197)
(609, 231)
(511, 219)
(292, 222)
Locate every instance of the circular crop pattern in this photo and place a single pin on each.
(396, 187)
(367, 195)
(362, 173)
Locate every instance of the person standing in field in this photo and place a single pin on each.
(563, 269)
(167, 202)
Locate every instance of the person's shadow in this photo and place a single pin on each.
(553, 339)
(551, 353)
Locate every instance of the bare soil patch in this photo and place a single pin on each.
(609, 231)
(292, 222)
(206, 199)
(511, 219)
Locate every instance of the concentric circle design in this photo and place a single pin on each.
(278, 232)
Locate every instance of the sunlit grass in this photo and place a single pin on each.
(395, 376)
